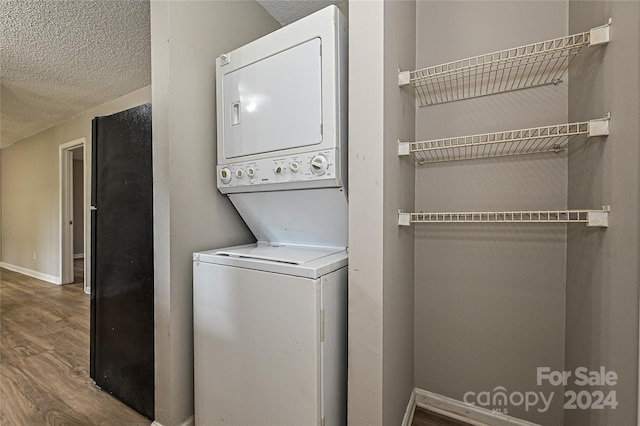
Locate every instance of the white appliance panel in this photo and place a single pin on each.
(316, 217)
(257, 347)
(318, 81)
(275, 103)
(317, 169)
(334, 347)
(269, 348)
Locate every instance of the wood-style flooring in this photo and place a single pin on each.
(423, 417)
(78, 271)
(44, 357)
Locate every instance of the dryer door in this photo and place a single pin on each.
(275, 103)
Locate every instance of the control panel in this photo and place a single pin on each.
(310, 169)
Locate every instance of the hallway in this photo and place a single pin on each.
(44, 357)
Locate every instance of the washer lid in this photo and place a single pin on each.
(294, 255)
(301, 261)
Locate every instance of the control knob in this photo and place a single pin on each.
(319, 164)
(225, 175)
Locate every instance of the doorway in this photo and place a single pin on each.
(73, 212)
(77, 195)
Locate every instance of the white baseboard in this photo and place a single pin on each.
(411, 408)
(34, 274)
(189, 422)
(471, 414)
(78, 256)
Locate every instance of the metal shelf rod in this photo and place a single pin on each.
(593, 218)
(535, 140)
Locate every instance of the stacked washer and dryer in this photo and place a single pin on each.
(270, 329)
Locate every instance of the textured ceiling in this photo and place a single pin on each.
(287, 11)
(61, 57)
(58, 58)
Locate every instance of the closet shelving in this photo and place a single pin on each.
(552, 138)
(599, 218)
(517, 68)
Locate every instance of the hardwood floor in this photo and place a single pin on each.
(78, 271)
(44, 358)
(423, 417)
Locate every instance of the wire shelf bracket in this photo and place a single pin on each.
(592, 218)
(535, 140)
(517, 68)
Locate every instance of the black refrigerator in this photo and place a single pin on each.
(122, 329)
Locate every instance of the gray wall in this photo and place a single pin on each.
(381, 40)
(490, 299)
(0, 205)
(399, 191)
(189, 212)
(602, 270)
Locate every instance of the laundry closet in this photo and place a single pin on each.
(533, 262)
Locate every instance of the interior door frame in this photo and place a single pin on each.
(66, 209)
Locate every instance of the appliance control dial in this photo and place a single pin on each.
(251, 172)
(278, 170)
(294, 166)
(319, 164)
(225, 175)
(239, 173)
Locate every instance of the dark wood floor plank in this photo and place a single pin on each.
(423, 417)
(44, 357)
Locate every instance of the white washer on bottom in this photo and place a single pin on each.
(270, 336)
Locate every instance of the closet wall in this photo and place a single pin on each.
(490, 298)
(603, 265)
(381, 378)
(493, 302)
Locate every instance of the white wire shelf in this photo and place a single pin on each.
(517, 68)
(535, 140)
(599, 218)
